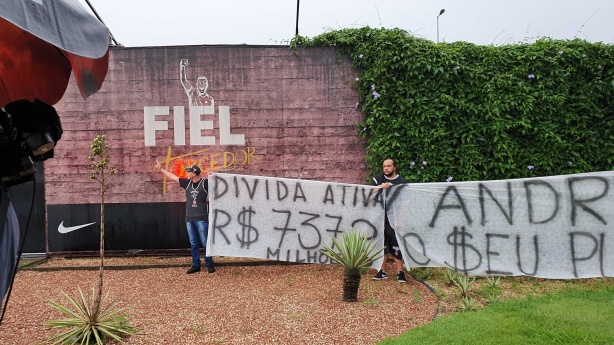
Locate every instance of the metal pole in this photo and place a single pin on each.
(97, 16)
(440, 13)
(298, 3)
(437, 29)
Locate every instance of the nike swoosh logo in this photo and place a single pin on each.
(62, 229)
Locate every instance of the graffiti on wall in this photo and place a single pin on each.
(207, 161)
(202, 132)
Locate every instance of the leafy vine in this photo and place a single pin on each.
(462, 112)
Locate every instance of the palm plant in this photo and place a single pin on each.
(92, 320)
(354, 254)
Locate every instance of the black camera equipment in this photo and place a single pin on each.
(28, 132)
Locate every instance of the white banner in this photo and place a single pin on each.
(286, 219)
(551, 227)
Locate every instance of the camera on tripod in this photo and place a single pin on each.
(28, 133)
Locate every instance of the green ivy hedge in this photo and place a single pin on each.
(463, 112)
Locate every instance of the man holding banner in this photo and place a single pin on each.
(386, 179)
(196, 213)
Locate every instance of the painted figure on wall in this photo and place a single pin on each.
(198, 95)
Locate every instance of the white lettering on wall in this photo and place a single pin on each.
(201, 103)
(151, 125)
(225, 137)
(179, 117)
(198, 127)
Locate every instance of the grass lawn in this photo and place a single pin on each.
(577, 314)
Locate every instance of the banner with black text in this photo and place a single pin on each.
(551, 227)
(288, 219)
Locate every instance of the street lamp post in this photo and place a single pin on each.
(440, 13)
(298, 5)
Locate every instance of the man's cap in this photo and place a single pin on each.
(194, 168)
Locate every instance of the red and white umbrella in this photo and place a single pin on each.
(42, 41)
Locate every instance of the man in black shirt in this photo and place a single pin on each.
(196, 213)
(386, 179)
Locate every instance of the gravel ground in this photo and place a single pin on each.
(245, 302)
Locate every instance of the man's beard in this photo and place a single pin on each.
(390, 174)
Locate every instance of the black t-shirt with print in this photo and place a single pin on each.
(196, 205)
(381, 178)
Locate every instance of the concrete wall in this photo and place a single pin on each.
(296, 117)
(266, 111)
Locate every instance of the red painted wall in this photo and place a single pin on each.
(297, 115)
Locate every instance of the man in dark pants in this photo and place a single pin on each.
(196, 213)
(386, 179)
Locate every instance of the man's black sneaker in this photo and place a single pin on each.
(380, 275)
(401, 277)
(193, 269)
(210, 269)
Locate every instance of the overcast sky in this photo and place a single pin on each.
(136, 23)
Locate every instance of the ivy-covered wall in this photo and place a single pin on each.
(459, 111)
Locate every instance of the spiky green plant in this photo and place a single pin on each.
(468, 303)
(493, 281)
(464, 284)
(354, 253)
(493, 297)
(87, 324)
(450, 276)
